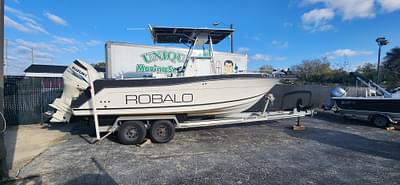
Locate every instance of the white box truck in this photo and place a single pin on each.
(126, 60)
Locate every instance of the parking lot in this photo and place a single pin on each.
(331, 150)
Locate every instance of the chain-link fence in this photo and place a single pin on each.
(27, 98)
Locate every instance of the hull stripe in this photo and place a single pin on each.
(190, 105)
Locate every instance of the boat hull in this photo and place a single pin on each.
(377, 104)
(194, 96)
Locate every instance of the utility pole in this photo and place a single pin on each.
(33, 56)
(3, 163)
(6, 57)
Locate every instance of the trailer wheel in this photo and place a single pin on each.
(380, 121)
(131, 132)
(162, 131)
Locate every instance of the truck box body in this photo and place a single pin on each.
(124, 60)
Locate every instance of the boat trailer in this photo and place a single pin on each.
(240, 118)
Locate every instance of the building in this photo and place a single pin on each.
(42, 70)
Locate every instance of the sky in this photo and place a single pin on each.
(281, 33)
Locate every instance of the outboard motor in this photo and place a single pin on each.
(338, 92)
(76, 79)
(335, 92)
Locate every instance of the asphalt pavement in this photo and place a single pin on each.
(331, 150)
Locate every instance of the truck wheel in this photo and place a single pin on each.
(380, 121)
(131, 132)
(162, 131)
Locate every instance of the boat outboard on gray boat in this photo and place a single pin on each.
(377, 105)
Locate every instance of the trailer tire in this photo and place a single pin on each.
(162, 131)
(131, 132)
(380, 121)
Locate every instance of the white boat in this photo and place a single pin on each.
(195, 96)
(191, 93)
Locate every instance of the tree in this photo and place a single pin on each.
(315, 70)
(391, 66)
(340, 76)
(266, 69)
(320, 71)
(368, 70)
(99, 65)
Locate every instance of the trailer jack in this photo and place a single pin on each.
(298, 126)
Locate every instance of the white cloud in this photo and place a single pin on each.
(256, 37)
(68, 45)
(32, 44)
(43, 55)
(64, 40)
(71, 49)
(349, 9)
(19, 13)
(317, 20)
(346, 53)
(37, 45)
(27, 19)
(317, 16)
(288, 24)
(8, 22)
(280, 58)
(30, 25)
(260, 57)
(390, 5)
(36, 28)
(243, 50)
(19, 55)
(93, 42)
(55, 19)
(19, 52)
(280, 44)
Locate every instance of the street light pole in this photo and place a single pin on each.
(381, 42)
(379, 63)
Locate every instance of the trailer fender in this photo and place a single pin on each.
(372, 116)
